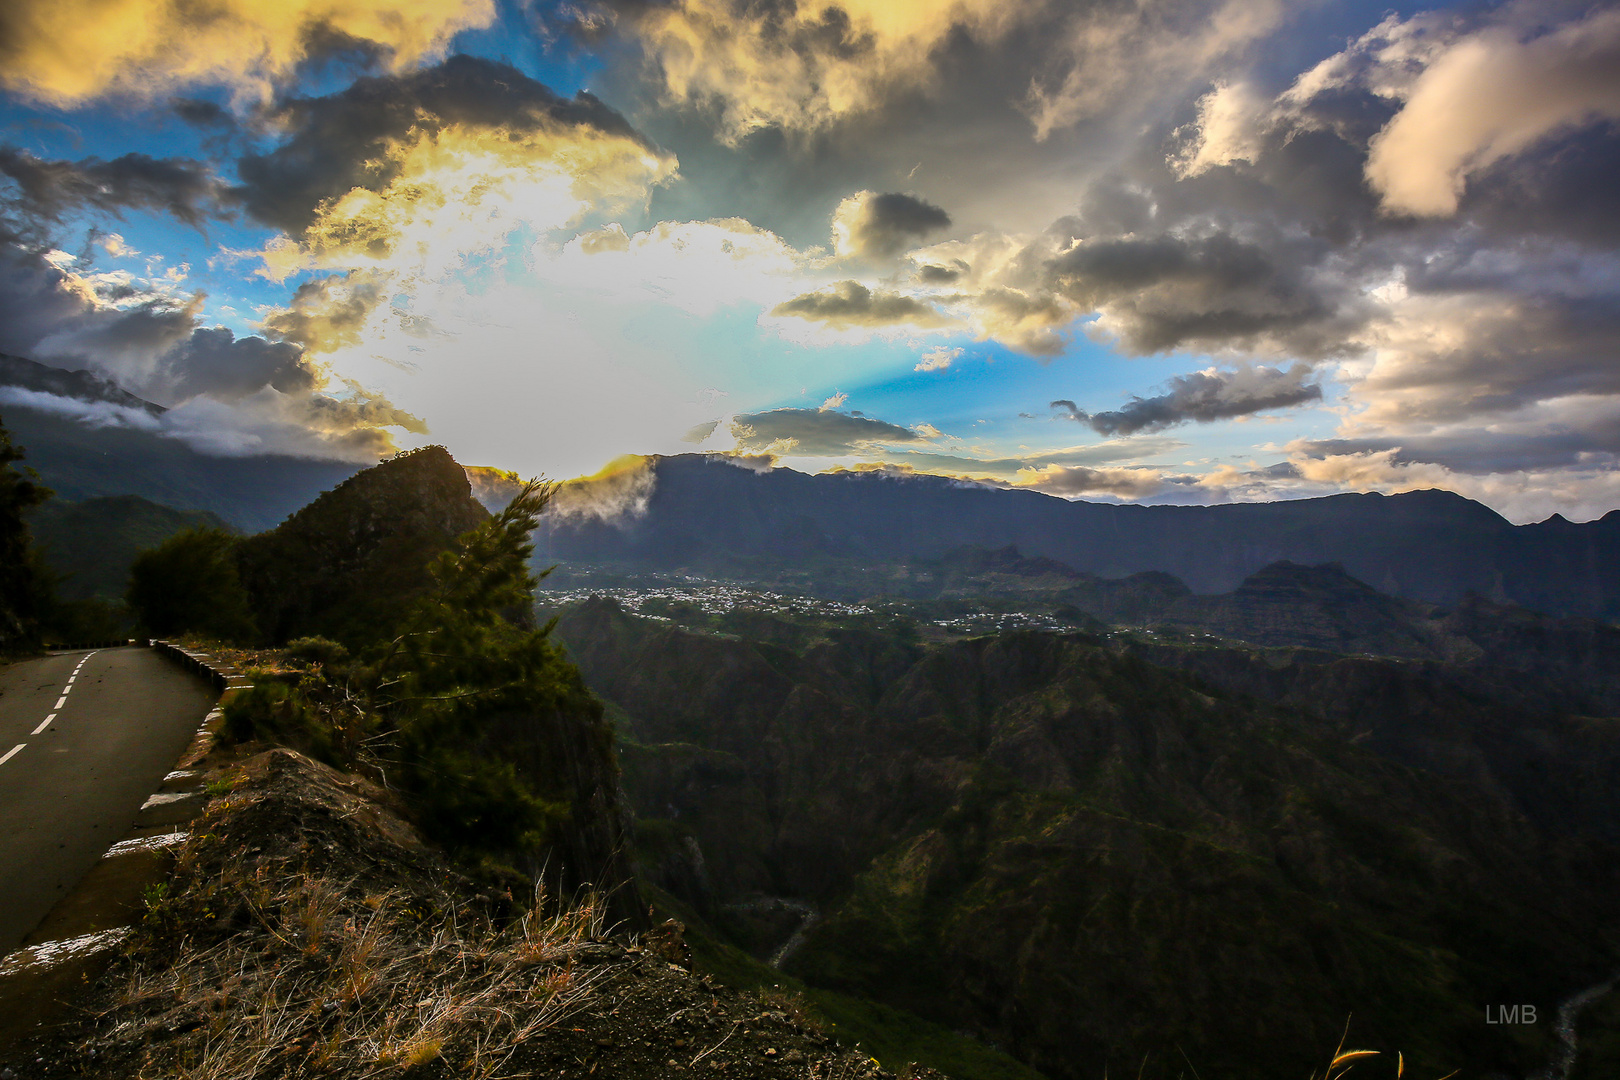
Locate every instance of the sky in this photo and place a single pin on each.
(1190, 251)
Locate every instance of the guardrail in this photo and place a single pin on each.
(222, 675)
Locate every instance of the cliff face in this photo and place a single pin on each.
(1088, 858)
(348, 565)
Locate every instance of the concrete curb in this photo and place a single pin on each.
(227, 681)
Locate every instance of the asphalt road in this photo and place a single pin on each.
(85, 737)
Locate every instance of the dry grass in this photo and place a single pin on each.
(361, 985)
(1346, 1060)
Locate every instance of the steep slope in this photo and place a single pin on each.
(348, 564)
(92, 543)
(1089, 859)
(1429, 546)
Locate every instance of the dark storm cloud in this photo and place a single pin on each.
(849, 304)
(882, 226)
(214, 361)
(1202, 397)
(338, 142)
(1166, 292)
(1481, 451)
(155, 347)
(814, 432)
(203, 114)
(187, 190)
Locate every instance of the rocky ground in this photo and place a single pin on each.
(307, 930)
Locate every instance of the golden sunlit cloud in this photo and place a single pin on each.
(68, 51)
(806, 66)
(1488, 96)
(460, 191)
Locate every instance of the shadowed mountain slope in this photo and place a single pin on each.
(92, 543)
(1432, 546)
(89, 438)
(1086, 857)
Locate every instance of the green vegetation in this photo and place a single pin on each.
(465, 707)
(352, 565)
(189, 583)
(25, 592)
(894, 1037)
(1088, 858)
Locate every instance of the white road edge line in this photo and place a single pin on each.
(44, 725)
(12, 753)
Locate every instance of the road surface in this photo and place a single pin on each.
(85, 737)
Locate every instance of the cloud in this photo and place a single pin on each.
(1203, 397)
(230, 394)
(96, 414)
(834, 402)
(66, 52)
(187, 190)
(1075, 480)
(697, 266)
(1109, 53)
(798, 67)
(867, 225)
(938, 358)
(814, 433)
(1230, 128)
(1489, 95)
(850, 304)
(618, 494)
(327, 313)
(381, 130)
(1458, 352)
(1168, 291)
(698, 433)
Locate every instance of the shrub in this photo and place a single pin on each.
(317, 650)
(275, 712)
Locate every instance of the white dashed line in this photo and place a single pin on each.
(61, 701)
(12, 753)
(45, 725)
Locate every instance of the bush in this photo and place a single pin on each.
(189, 584)
(278, 713)
(317, 650)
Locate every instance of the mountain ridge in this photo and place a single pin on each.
(1432, 546)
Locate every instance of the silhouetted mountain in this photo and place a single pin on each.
(349, 564)
(94, 455)
(1432, 546)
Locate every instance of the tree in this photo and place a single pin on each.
(189, 584)
(25, 583)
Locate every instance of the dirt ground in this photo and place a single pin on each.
(307, 931)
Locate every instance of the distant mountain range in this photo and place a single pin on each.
(79, 459)
(706, 514)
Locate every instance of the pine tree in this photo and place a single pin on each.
(25, 583)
